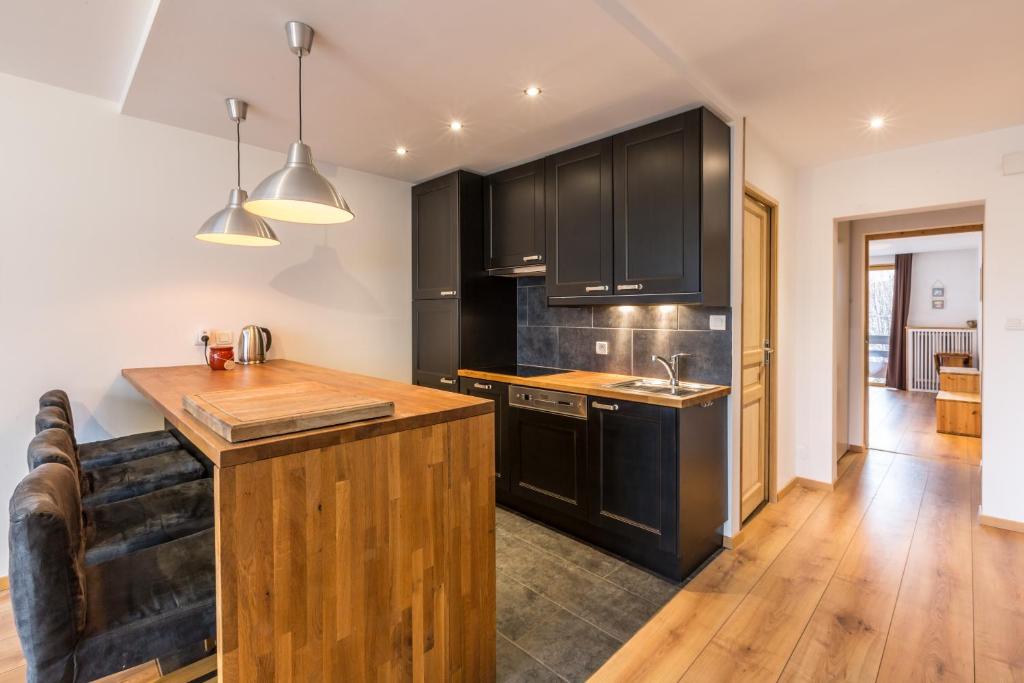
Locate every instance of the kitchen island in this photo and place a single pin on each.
(355, 552)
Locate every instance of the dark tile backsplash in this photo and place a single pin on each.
(565, 336)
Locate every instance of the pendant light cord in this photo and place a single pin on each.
(300, 96)
(238, 153)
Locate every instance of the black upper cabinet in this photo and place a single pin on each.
(514, 217)
(435, 238)
(435, 343)
(670, 228)
(497, 392)
(461, 317)
(632, 462)
(578, 195)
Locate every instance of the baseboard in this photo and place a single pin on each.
(785, 489)
(730, 542)
(854, 448)
(1000, 523)
(813, 484)
(5, 583)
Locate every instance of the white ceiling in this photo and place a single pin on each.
(807, 75)
(918, 245)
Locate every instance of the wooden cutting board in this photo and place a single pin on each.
(244, 414)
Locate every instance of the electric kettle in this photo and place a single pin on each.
(253, 344)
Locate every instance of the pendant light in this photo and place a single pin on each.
(233, 224)
(299, 193)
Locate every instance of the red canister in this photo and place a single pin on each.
(221, 356)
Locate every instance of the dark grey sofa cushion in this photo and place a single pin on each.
(96, 454)
(52, 417)
(137, 477)
(58, 398)
(47, 583)
(120, 528)
(52, 445)
(148, 604)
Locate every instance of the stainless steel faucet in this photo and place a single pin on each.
(672, 366)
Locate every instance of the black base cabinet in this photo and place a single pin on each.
(653, 485)
(497, 392)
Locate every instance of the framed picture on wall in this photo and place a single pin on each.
(938, 303)
(938, 292)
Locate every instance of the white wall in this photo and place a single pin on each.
(954, 172)
(773, 175)
(99, 270)
(958, 272)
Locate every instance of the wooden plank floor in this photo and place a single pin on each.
(904, 422)
(887, 578)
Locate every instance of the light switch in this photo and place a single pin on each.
(1015, 324)
(716, 322)
(601, 348)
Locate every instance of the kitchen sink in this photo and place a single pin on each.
(660, 387)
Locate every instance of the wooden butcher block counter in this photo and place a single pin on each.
(361, 551)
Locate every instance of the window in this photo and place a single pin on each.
(880, 290)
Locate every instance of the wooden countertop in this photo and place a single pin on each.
(958, 396)
(592, 384)
(414, 406)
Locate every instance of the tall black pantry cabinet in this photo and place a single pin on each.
(460, 317)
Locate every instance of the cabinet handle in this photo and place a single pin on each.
(535, 257)
(597, 288)
(707, 404)
(448, 292)
(605, 406)
(447, 380)
(477, 385)
(636, 287)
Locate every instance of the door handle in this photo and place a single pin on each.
(605, 406)
(535, 257)
(448, 292)
(477, 385)
(447, 380)
(596, 288)
(636, 287)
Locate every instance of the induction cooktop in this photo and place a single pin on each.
(525, 370)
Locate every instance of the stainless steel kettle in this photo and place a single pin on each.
(253, 344)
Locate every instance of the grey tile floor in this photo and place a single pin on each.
(564, 607)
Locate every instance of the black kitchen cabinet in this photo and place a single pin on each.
(514, 217)
(497, 392)
(461, 317)
(670, 227)
(435, 342)
(578, 195)
(632, 459)
(547, 462)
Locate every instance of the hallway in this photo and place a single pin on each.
(904, 422)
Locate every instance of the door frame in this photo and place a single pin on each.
(866, 268)
(772, 205)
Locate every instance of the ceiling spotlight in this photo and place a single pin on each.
(532, 91)
(401, 151)
(877, 122)
(455, 125)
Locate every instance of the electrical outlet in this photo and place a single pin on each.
(216, 337)
(601, 348)
(198, 340)
(716, 322)
(1015, 324)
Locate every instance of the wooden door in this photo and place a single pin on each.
(658, 207)
(435, 238)
(579, 221)
(632, 464)
(756, 355)
(514, 227)
(435, 344)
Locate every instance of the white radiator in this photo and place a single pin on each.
(922, 345)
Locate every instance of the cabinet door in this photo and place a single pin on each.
(515, 217)
(435, 238)
(547, 460)
(435, 344)
(657, 207)
(578, 198)
(497, 392)
(633, 480)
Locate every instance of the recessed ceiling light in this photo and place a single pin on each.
(532, 91)
(401, 151)
(455, 125)
(877, 122)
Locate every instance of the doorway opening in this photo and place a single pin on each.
(922, 346)
(757, 372)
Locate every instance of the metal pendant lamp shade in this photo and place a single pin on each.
(299, 193)
(233, 224)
